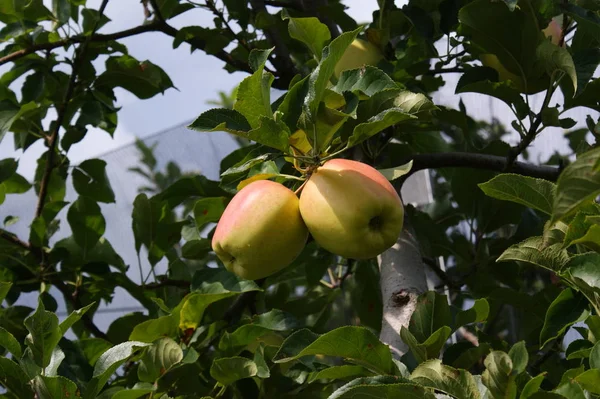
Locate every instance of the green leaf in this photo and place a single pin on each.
(218, 281)
(567, 309)
(10, 112)
(456, 382)
(590, 380)
(533, 193)
(358, 344)
(582, 272)
(519, 356)
(368, 80)
(319, 78)
(376, 124)
(14, 379)
(275, 320)
(394, 173)
(187, 188)
(8, 341)
(223, 120)
(158, 359)
(74, 317)
(309, 31)
(196, 249)
(90, 179)
(143, 79)
(272, 133)
(56, 387)
(595, 356)
(498, 376)
(464, 355)
(87, 222)
(418, 350)
(208, 210)
(8, 167)
(431, 313)
(577, 185)
(557, 59)
(133, 393)
(92, 19)
(4, 289)
(478, 313)
(339, 373)
(482, 80)
(153, 228)
(533, 251)
(253, 99)
(262, 367)
(108, 363)
(532, 386)
(583, 231)
(151, 330)
(44, 334)
(388, 391)
(62, 11)
(231, 369)
(194, 306)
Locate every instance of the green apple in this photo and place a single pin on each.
(351, 209)
(261, 230)
(358, 54)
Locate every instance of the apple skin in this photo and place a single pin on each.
(358, 54)
(261, 230)
(351, 209)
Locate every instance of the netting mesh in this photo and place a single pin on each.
(191, 151)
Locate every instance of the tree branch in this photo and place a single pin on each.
(156, 26)
(13, 239)
(283, 61)
(445, 70)
(168, 283)
(479, 161)
(402, 280)
(152, 27)
(61, 112)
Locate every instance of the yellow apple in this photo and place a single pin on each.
(351, 209)
(358, 54)
(535, 85)
(261, 230)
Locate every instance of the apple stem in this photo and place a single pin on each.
(326, 284)
(299, 189)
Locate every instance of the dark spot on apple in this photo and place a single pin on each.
(204, 212)
(375, 223)
(369, 346)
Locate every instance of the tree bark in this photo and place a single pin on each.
(402, 280)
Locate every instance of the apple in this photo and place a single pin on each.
(351, 209)
(261, 230)
(358, 54)
(552, 31)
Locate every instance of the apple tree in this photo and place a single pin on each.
(492, 290)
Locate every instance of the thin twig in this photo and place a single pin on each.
(152, 27)
(168, 283)
(286, 4)
(61, 112)
(14, 240)
(445, 70)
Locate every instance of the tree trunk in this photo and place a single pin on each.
(402, 281)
